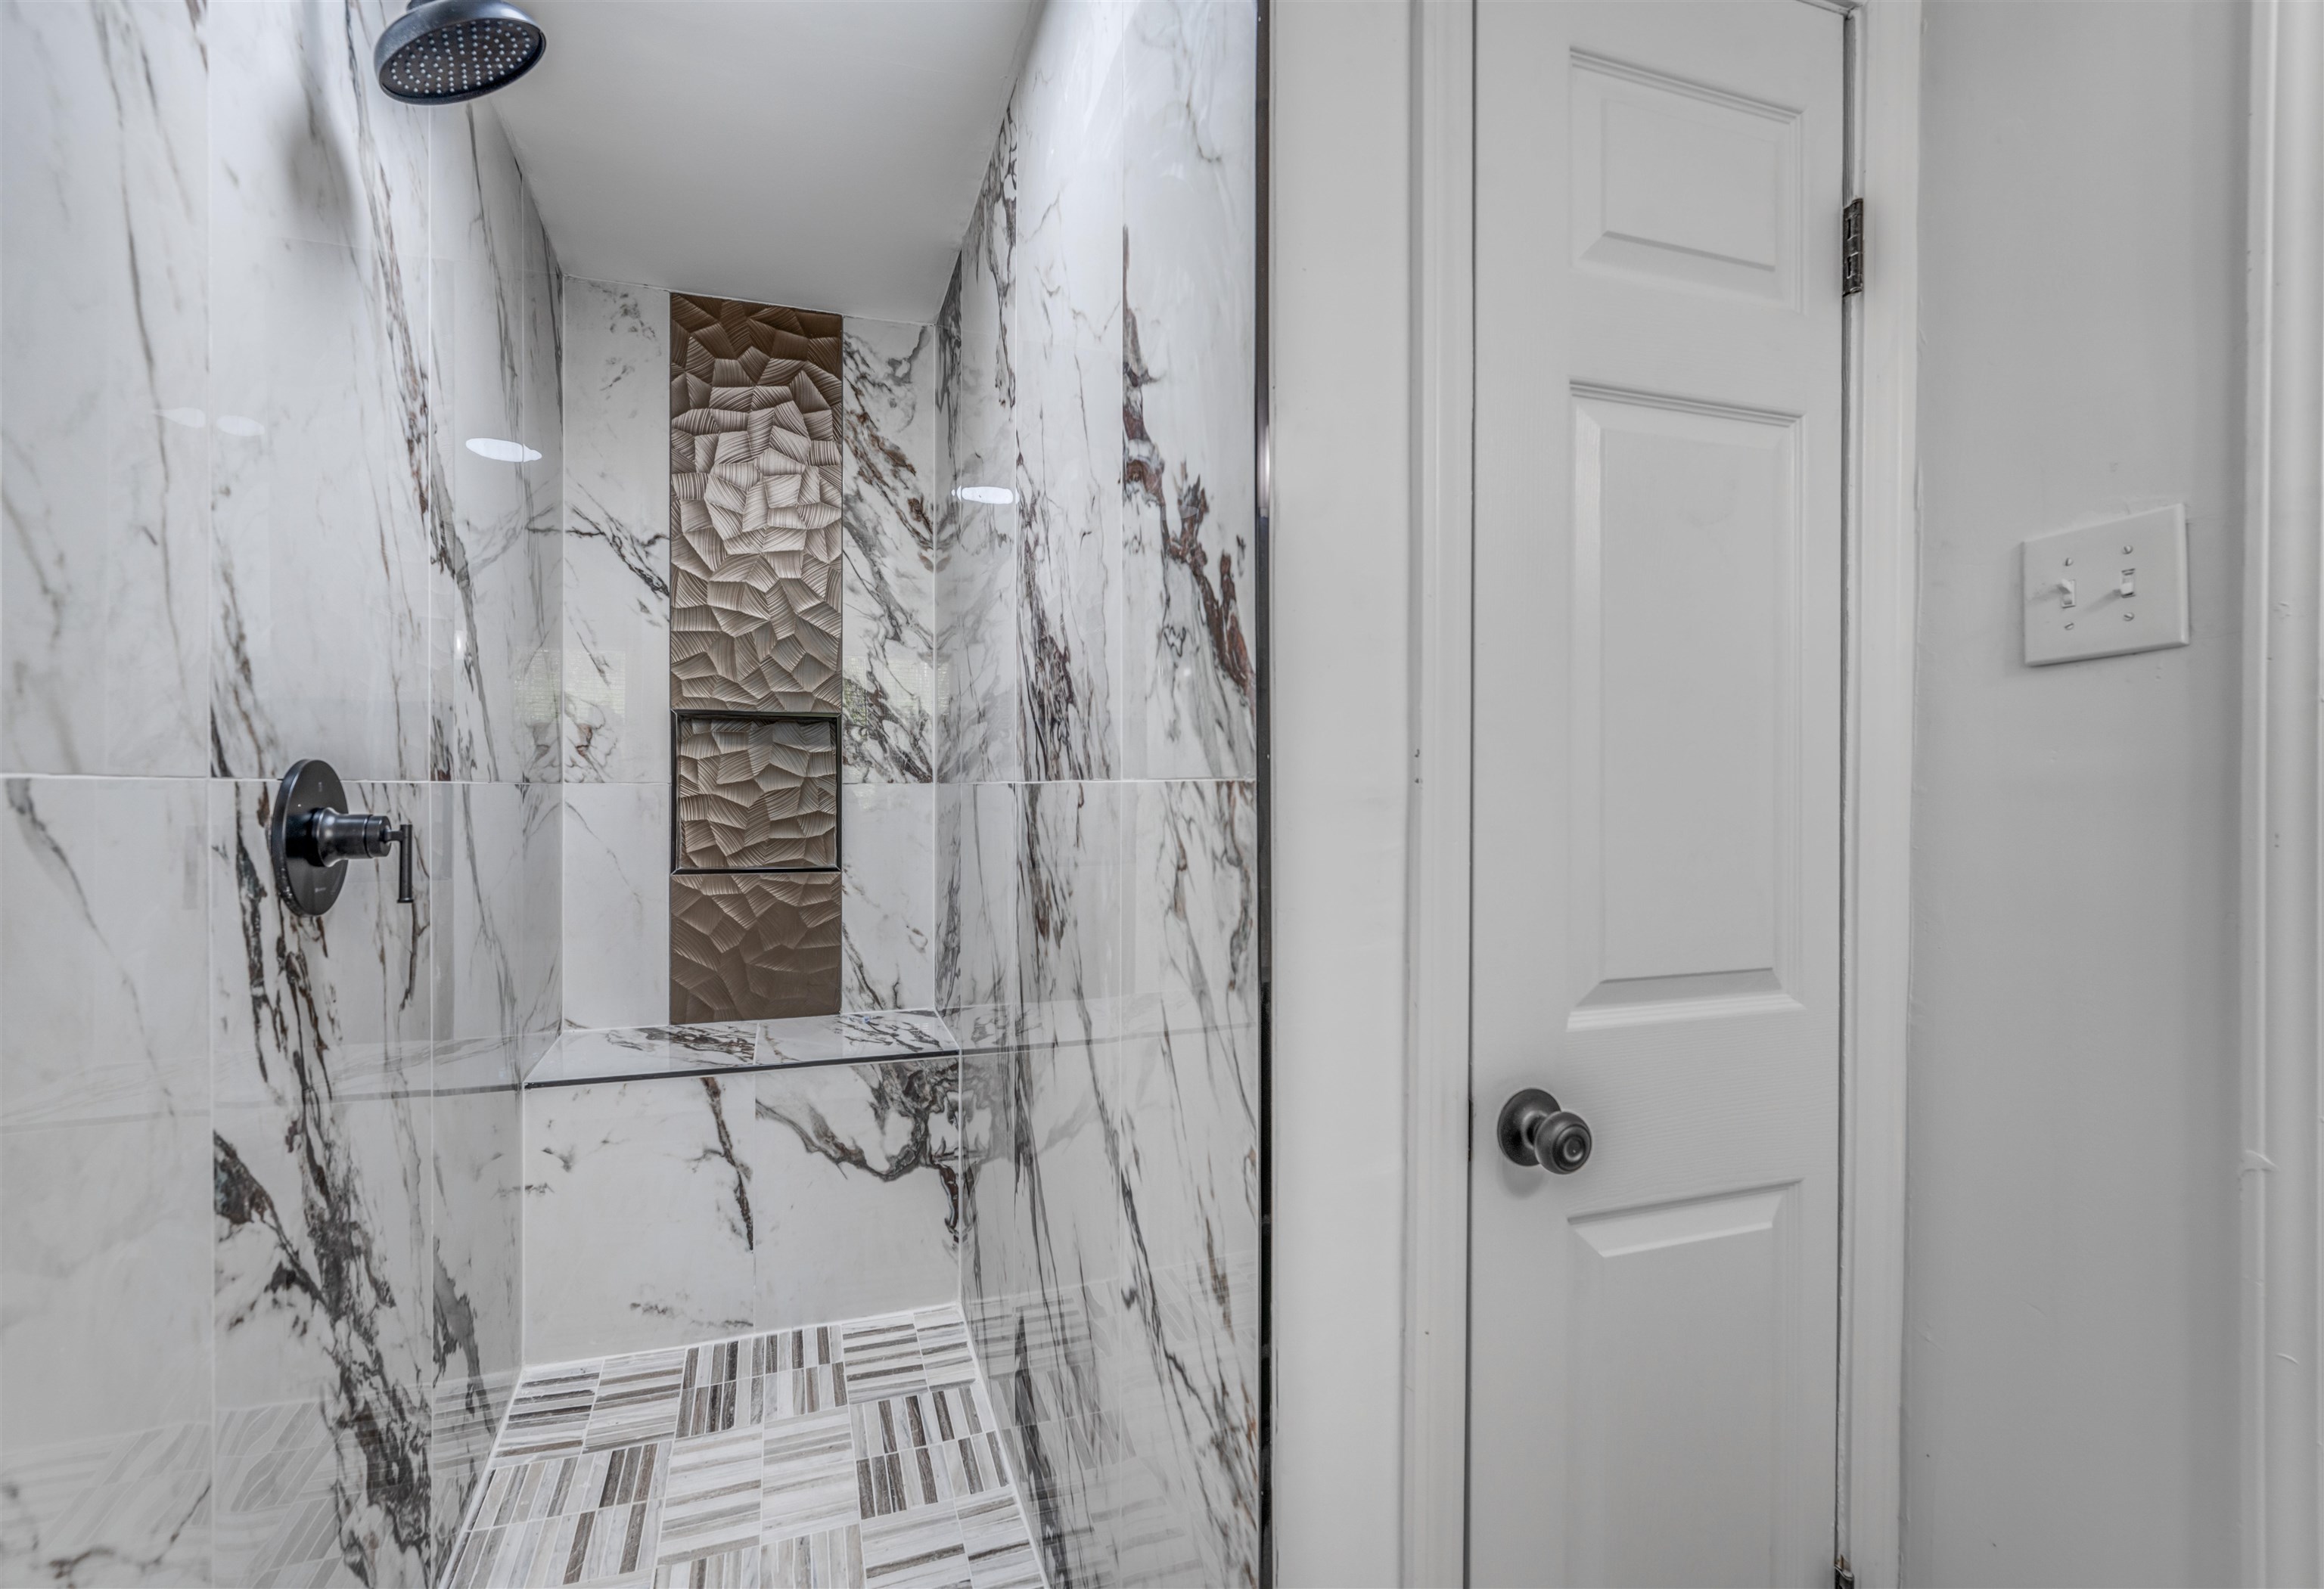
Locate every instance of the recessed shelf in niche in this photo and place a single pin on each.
(755, 792)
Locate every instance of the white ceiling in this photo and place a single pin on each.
(819, 153)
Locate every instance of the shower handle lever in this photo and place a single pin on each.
(1533, 1130)
(322, 837)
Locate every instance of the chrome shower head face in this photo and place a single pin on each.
(442, 51)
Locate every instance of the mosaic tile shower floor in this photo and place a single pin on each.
(861, 1453)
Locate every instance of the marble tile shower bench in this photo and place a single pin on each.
(690, 1183)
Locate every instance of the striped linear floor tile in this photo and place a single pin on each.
(882, 1357)
(712, 1505)
(1000, 1550)
(549, 1413)
(915, 1550)
(855, 1454)
(637, 1399)
(831, 1557)
(581, 1518)
(944, 1345)
(808, 1475)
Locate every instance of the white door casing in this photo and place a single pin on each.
(2283, 882)
(1656, 796)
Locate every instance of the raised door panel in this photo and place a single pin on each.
(1677, 1438)
(1682, 183)
(1686, 535)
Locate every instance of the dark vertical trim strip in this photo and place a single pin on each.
(1264, 629)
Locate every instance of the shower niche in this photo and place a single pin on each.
(749, 601)
(750, 873)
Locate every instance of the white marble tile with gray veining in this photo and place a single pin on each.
(1189, 171)
(1096, 941)
(1068, 409)
(497, 913)
(323, 1142)
(887, 909)
(978, 833)
(635, 1053)
(659, 1211)
(289, 305)
(616, 904)
(976, 584)
(640, 1228)
(323, 468)
(1114, 1139)
(543, 393)
(497, 598)
(857, 1187)
(1190, 929)
(476, 1231)
(721, 1047)
(104, 420)
(856, 1035)
(1074, 890)
(888, 512)
(616, 678)
(1186, 1099)
(105, 1180)
(1046, 1252)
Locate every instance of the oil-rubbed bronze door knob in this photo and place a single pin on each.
(1535, 1131)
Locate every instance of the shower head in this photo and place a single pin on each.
(441, 51)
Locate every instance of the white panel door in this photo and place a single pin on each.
(1657, 789)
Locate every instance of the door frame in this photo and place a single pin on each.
(1882, 561)
(2283, 862)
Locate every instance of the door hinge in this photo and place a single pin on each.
(1843, 1576)
(1851, 248)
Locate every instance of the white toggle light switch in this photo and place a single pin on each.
(2102, 590)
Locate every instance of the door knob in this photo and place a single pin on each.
(1535, 1131)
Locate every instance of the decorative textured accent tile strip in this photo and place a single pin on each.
(746, 1483)
(755, 487)
(757, 794)
(753, 946)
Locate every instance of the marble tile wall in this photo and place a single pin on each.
(615, 719)
(260, 1176)
(259, 1205)
(617, 595)
(1096, 827)
(665, 1210)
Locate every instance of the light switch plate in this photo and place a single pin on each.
(2105, 590)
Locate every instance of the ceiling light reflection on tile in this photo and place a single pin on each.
(991, 496)
(501, 452)
(236, 425)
